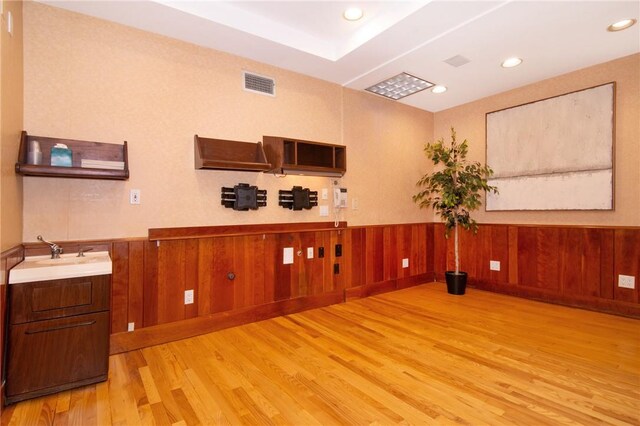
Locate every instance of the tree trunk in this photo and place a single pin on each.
(455, 245)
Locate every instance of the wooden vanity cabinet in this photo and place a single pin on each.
(58, 336)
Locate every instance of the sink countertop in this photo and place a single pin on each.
(43, 268)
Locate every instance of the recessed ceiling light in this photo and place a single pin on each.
(399, 86)
(621, 25)
(439, 89)
(511, 62)
(353, 14)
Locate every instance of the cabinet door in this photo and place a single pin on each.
(51, 353)
(43, 300)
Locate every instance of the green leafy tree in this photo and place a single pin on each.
(455, 189)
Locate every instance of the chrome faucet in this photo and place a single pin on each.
(83, 250)
(56, 250)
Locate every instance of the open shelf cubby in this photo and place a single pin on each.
(292, 156)
(81, 150)
(220, 154)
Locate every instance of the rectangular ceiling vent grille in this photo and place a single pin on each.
(259, 84)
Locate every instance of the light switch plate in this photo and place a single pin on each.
(405, 263)
(325, 193)
(287, 256)
(309, 252)
(626, 281)
(134, 196)
(131, 326)
(494, 265)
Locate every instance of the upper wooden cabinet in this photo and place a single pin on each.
(90, 160)
(294, 156)
(229, 155)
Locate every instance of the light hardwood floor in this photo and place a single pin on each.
(415, 356)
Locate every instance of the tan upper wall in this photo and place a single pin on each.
(93, 80)
(469, 122)
(11, 109)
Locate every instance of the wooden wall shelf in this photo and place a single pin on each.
(292, 156)
(81, 150)
(220, 154)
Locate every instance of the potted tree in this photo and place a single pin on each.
(454, 190)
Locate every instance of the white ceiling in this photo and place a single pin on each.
(310, 37)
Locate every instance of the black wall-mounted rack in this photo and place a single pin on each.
(298, 198)
(244, 197)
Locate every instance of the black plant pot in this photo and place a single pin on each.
(456, 283)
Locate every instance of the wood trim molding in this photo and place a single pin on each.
(543, 225)
(372, 289)
(615, 307)
(169, 332)
(8, 259)
(240, 230)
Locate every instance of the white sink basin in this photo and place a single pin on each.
(43, 268)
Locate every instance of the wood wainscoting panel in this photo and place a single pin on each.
(626, 262)
(169, 332)
(8, 259)
(374, 255)
(441, 255)
(357, 248)
(377, 253)
(607, 261)
(119, 314)
(389, 252)
(226, 273)
(573, 265)
(150, 295)
(172, 265)
(221, 287)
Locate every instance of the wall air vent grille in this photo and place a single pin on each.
(259, 84)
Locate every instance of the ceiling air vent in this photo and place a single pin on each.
(457, 61)
(259, 84)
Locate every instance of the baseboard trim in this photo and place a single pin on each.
(55, 389)
(169, 332)
(372, 289)
(608, 306)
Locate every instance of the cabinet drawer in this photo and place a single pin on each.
(46, 354)
(58, 298)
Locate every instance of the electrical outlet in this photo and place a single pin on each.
(134, 196)
(405, 262)
(131, 326)
(309, 252)
(354, 204)
(626, 281)
(188, 297)
(287, 256)
(494, 265)
(338, 250)
(324, 210)
(320, 251)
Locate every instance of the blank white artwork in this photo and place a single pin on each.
(554, 154)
